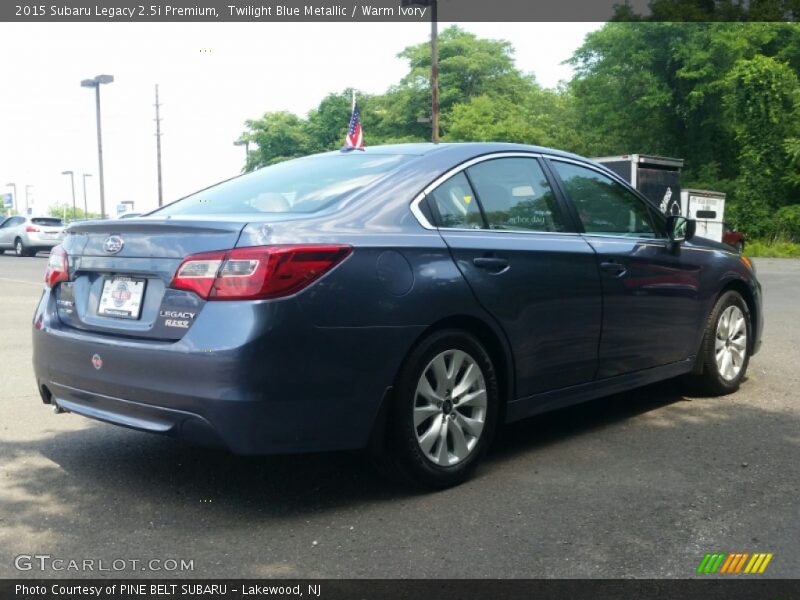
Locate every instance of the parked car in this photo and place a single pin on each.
(27, 235)
(733, 238)
(406, 299)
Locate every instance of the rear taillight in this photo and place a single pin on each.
(256, 273)
(57, 267)
(32, 229)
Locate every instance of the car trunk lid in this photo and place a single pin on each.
(121, 272)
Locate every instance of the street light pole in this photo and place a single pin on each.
(14, 186)
(85, 204)
(72, 181)
(95, 83)
(27, 200)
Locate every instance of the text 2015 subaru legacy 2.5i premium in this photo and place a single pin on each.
(406, 298)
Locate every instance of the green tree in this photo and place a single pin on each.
(762, 99)
(712, 10)
(327, 124)
(542, 117)
(468, 67)
(279, 135)
(682, 89)
(621, 90)
(65, 211)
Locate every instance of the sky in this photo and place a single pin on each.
(212, 77)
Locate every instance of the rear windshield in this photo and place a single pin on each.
(47, 222)
(303, 185)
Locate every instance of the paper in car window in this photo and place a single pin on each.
(522, 191)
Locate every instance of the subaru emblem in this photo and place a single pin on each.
(113, 244)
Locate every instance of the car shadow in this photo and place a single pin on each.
(553, 427)
(150, 468)
(684, 463)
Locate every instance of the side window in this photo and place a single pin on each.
(455, 204)
(515, 195)
(603, 205)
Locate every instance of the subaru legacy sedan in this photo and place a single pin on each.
(405, 299)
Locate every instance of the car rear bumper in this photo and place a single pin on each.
(135, 415)
(254, 394)
(39, 241)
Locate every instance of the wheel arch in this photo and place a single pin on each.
(492, 339)
(488, 335)
(741, 287)
(737, 285)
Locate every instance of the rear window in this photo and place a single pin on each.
(303, 185)
(47, 222)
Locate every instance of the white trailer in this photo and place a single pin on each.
(708, 209)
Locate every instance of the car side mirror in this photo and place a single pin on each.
(680, 229)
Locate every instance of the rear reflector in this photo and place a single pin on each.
(57, 267)
(256, 273)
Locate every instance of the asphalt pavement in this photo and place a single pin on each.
(641, 484)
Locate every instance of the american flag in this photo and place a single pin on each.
(354, 137)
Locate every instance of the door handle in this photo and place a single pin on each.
(614, 268)
(491, 263)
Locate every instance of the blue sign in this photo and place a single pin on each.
(8, 201)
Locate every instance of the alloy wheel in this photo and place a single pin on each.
(730, 345)
(450, 406)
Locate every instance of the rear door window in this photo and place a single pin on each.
(515, 195)
(455, 204)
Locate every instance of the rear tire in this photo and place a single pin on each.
(725, 351)
(444, 410)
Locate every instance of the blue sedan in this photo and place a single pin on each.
(407, 299)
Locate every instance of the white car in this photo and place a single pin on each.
(26, 235)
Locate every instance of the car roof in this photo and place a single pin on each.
(460, 148)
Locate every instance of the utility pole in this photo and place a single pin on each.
(158, 148)
(434, 119)
(434, 72)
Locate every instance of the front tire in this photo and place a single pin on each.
(725, 352)
(445, 410)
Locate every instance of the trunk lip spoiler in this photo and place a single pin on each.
(165, 226)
